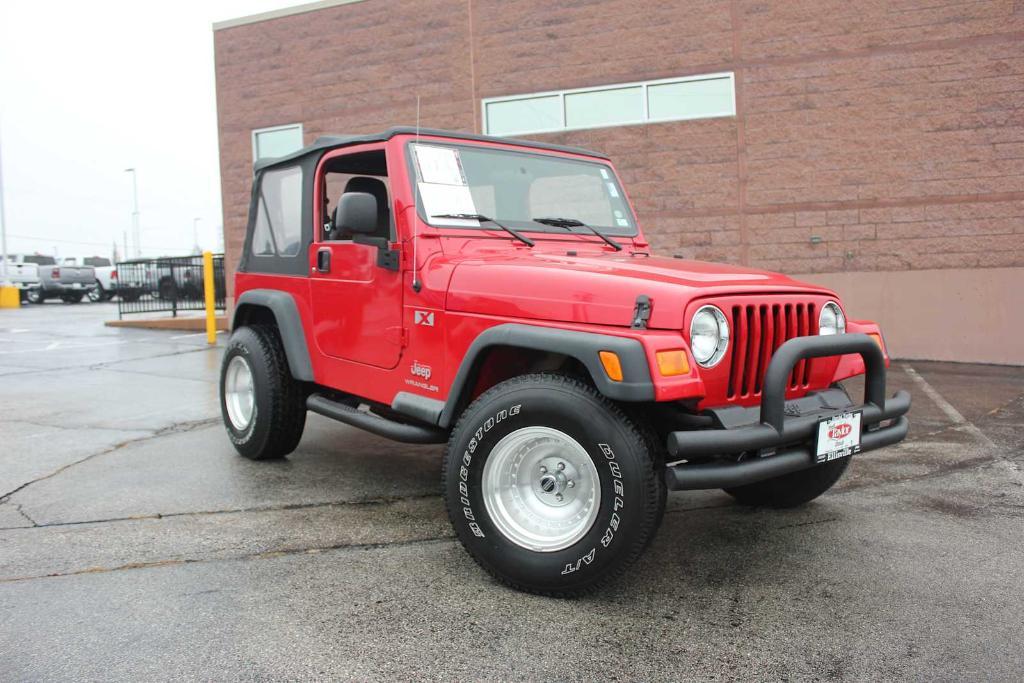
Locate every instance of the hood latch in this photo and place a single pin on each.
(641, 312)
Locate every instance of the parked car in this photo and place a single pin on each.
(499, 296)
(23, 270)
(65, 282)
(108, 282)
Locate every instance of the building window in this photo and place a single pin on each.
(278, 141)
(670, 99)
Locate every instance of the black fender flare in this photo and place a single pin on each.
(289, 324)
(636, 384)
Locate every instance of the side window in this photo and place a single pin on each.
(278, 228)
(360, 172)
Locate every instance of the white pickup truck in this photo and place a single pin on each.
(108, 283)
(40, 278)
(23, 270)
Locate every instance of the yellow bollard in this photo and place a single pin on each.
(211, 313)
(10, 297)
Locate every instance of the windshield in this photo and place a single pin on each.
(514, 188)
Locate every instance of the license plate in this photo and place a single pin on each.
(838, 437)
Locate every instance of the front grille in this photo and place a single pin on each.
(757, 331)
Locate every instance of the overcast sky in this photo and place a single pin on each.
(89, 88)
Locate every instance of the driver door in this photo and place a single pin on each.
(357, 304)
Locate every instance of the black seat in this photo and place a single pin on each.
(379, 190)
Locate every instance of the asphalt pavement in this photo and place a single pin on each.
(136, 545)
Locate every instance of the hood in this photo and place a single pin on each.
(600, 289)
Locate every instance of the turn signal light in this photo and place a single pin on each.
(612, 366)
(672, 363)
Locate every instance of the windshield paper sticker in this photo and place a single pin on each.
(442, 185)
(439, 165)
(442, 199)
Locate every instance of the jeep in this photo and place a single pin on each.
(498, 296)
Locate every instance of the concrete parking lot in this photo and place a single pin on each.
(135, 544)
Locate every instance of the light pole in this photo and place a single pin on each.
(135, 212)
(4, 279)
(195, 235)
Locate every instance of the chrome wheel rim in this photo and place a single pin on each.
(541, 489)
(239, 396)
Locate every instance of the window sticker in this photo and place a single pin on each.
(611, 190)
(604, 174)
(622, 221)
(439, 165)
(441, 199)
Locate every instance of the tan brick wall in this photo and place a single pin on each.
(870, 135)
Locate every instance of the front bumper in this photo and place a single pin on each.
(778, 437)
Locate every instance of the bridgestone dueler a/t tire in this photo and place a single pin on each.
(793, 489)
(280, 401)
(632, 495)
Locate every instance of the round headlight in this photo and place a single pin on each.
(831, 319)
(709, 336)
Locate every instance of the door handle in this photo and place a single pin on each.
(323, 260)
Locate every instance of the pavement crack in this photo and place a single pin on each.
(176, 428)
(364, 502)
(25, 514)
(265, 555)
(107, 365)
(810, 523)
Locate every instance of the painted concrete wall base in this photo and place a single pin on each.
(10, 297)
(953, 315)
(192, 323)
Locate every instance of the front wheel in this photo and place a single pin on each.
(263, 406)
(34, 296)
(551, 487)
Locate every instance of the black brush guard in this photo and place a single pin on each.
(780, 439)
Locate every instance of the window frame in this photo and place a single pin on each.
(256, 132)
(643, 85)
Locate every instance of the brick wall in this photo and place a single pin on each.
(870, 135)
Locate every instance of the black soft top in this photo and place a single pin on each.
(329, 142)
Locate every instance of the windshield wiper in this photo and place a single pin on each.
(570, 223)
(485, 219)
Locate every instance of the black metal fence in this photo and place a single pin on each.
(167, 284)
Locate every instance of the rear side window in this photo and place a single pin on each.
(41, 260)
(278, 227)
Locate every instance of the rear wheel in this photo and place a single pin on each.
(34, 296)
(550, 486)
(262, 405)
(793, 489)
(96, 293)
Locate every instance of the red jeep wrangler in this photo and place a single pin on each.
(498, 295)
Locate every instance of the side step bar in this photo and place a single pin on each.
(396, 431)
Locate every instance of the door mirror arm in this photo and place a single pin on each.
(387, 257)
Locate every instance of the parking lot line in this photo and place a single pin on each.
(194, 334)
(961, 422)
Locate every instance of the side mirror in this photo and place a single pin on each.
(356, 214)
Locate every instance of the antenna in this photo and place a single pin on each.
(416, 284)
